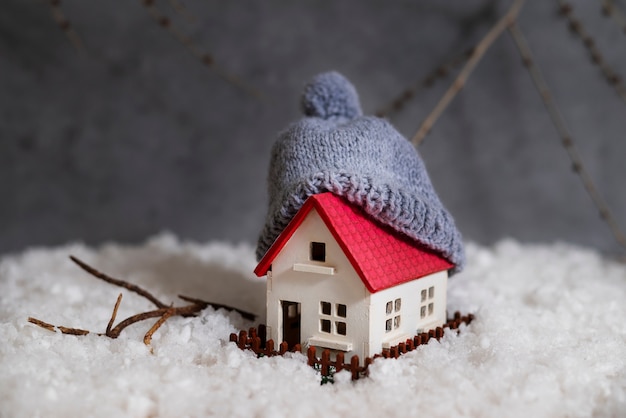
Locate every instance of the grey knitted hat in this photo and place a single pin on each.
(361, 158)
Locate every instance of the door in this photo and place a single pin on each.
(291, 322)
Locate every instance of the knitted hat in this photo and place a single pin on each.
(361, 158)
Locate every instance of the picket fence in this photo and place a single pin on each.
(256, 340)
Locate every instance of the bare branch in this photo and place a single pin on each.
(204, 57)
(610, 9)
(566, 138)
(397, 103)
(182, 311)
(458, 84)
(64, 24)
(164, 312)
(117, 282)
(577, 27)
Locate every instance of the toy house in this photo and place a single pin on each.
(338, 279)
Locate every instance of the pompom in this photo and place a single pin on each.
(330, 95)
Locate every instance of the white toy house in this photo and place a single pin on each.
(338, 279)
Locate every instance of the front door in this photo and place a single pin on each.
(291, 322)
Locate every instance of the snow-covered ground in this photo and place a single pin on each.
(549, 340)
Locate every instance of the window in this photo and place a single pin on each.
(327, 318)
(325, 325)
(318, 251)
(392, 310)
(427, 303)
(325, 308)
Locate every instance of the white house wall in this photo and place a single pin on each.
(411, 322)
(309, 288)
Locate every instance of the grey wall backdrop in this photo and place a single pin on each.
(134, 135)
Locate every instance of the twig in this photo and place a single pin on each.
(147, 339)
(458, 84)
(117, 330)
(50, 327)
(204, 57)
(398, 102)
(609, 9)
(41, 324)
(246, 315)
(563, 131)
(73, 331)
(164, 312)
(114, 314)
(577, 27)
(181, 311)
(117, 282)
(64, 24)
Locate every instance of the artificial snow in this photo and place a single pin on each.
(549, 340)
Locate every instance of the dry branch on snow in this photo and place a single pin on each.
(164, 312)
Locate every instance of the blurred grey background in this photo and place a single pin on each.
(134, 135)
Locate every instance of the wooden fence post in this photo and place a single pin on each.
(312, 358)
(354, 367)
(243, 339)
(438, 333)
(284, 347)
(393, 352)
(256, 345)
(409, 345)
(339, 362)
(325, 361)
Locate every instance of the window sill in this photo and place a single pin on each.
(310, 268)
(394, 340)
(328, 343)
(427, 326)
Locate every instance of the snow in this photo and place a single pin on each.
(549, 340)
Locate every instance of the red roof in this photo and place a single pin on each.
(381, 256)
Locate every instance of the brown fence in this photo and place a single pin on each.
(257, 342)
